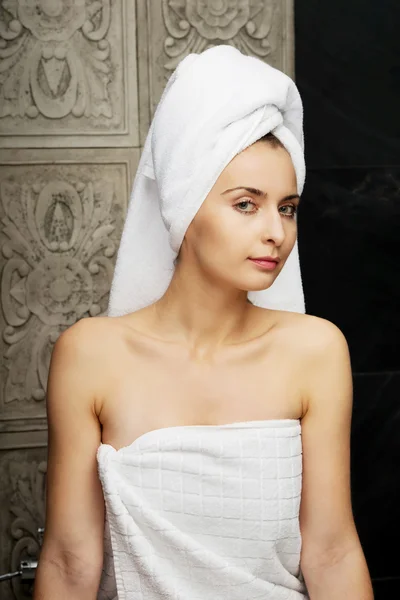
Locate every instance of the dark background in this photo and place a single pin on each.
(348, 74)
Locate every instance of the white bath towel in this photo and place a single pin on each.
(214, 105)
(204, 513)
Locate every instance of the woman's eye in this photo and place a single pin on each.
(288, 210)
(292, 212)
(242, 205)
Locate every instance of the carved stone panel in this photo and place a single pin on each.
(262, 28)
(68, 69)
(22, 512)
(60, 228)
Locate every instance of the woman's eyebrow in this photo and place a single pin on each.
(257, 192)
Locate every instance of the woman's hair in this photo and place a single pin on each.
(269, 138)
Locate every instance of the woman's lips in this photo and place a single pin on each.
(268, 265)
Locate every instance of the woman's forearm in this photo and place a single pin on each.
(346, 578)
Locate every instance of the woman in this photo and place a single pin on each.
(199, 442)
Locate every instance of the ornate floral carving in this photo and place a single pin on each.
(194, 25)
(25, 502)
(221, 19)
(54, 58)
(54, 288)
(58, 267)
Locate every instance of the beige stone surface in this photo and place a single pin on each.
(68, 71)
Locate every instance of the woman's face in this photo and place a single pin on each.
(233, 226)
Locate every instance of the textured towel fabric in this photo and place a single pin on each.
(204, 513)
(215, 104)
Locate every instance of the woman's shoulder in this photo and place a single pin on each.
(97, 347)
(90, 330)
(111, 338)
(93, 338)
(308, 332)
(311, 322)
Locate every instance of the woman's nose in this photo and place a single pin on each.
(273, 228)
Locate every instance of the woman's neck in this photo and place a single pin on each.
(203, 318)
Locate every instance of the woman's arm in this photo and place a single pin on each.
(71, 558)
(332, 560)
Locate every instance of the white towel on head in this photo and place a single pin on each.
(215, 104)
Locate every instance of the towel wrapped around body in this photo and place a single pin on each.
(204, 513)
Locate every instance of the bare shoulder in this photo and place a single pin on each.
(91, 336)
(86, 348)
(312, 335)
(320, 352)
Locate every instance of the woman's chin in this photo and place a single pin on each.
(262, 280)
(260, 285)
